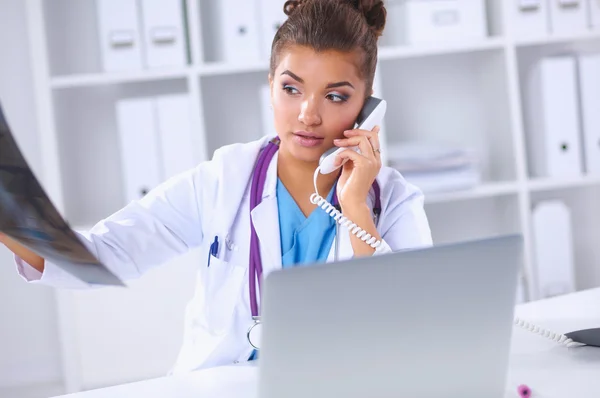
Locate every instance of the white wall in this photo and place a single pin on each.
(29, 352)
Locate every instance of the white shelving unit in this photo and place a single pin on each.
(464, 93)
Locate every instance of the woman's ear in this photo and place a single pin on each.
(271, 90)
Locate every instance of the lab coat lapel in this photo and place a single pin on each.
(345, 246)
(265, 218)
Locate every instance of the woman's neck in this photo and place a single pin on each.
(297, 176)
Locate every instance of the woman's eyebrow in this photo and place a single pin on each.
(293, 75)
(330, 85)
(339, 84)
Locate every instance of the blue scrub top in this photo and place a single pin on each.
(304, 240)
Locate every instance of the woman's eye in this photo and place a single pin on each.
(337, 98)
(290, 90)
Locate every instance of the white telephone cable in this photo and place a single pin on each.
(556, 337)
(318, 200)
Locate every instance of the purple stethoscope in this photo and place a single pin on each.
(255, 275)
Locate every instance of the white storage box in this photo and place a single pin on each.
(163, 33)
(529, 18)
(568, 17)
(426, 21)
(119, 35)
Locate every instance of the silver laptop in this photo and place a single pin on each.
(433, 322)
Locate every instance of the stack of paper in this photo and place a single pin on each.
(435, 168)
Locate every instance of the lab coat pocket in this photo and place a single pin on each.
(224, 281)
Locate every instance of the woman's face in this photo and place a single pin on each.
(315, 97)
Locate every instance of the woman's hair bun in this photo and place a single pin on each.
(291, 5)
(374, 12)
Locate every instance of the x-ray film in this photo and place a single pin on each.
(28, 216)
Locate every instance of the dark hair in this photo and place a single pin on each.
(342, 25)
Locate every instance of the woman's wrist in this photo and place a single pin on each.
(355, 208)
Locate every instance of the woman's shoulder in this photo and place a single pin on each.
(395, 188)
(239, 152)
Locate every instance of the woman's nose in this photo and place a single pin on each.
(309, 113)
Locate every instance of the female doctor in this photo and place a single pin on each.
(249, 209)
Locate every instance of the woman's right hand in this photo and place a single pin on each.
(27, 255)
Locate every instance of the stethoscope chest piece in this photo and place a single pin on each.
(254, 333)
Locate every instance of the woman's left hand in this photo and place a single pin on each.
(360, 170)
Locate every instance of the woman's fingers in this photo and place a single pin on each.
(372, 136)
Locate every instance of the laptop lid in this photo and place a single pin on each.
(423, 323)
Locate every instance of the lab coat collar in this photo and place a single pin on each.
(265, 218)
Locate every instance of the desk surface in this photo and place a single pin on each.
(551, 370)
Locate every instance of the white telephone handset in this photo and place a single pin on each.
(370, 116)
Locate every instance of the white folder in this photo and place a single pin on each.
(553, 248)
(140, 157)
(163, 33)
(173, 115)
(271, 18)
(594, 13)
(266, 112)
(119, 35)
(529, 18)
(589, 88)
(237, 31)
(568, 17)
(553, 129)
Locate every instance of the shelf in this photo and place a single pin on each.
(548, 184)
(540, 41)
(390, 53)
(482, 191)
(99, 79)
(227, 68)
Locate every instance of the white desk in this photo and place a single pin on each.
(551, 370)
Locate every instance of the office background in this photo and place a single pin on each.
(490, 112)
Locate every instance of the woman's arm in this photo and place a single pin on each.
(22, 252)
(148, 232)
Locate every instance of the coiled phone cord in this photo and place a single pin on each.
(330, 209)
(556, 337)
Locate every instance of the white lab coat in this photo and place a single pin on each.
(211, 200)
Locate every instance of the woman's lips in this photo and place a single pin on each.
(307, 140)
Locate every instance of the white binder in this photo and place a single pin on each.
(266, 112)
(529, 18)
(236, 30)
(140, 157)
(553, 130)
(271, 18)
(553, 248)
(589, 88)
(568, 17)
(119, 35)
(175, 134)
(163, 33)
(594, 13)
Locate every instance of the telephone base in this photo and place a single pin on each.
(589, 337)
